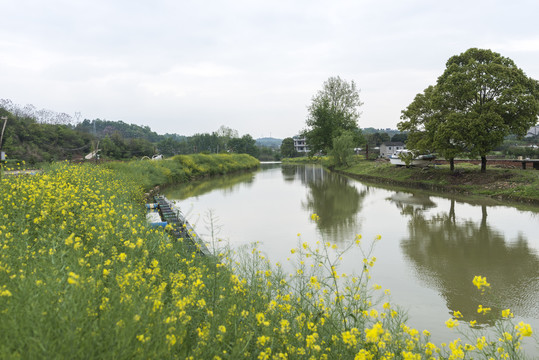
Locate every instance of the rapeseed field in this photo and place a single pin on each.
(83, 276)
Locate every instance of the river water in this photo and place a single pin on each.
(431, 248)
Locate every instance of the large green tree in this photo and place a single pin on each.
(243, 145)
(287, 148)
(479, 99)
(489, 97)
(429, 131)
(333, 110)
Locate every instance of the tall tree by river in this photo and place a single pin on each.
(479, 99)
(333, 109)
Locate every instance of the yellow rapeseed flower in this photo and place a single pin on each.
(5, 292)
(480, 282)
(69, 239)
(507, 313)
(410, 356)
(261, 319)
(372, 335)
(483, 310)
(523, 329)
(451, 323)
(171, 339)
(262, 340)
(73, 278)
(363, 355)
(349, 339)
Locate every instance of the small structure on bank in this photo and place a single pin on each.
(180, 227)
(390, 148)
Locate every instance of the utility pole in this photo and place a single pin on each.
(367, 151)
(3, 128)
(2, 154)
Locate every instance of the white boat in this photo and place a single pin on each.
(420, 160)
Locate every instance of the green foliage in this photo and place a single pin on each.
(524, 151)
(243, 145)
(376, 139)
(182, 168)
(25, 139)
(334, 109)
(103, 128)
(268, 154)
(287, 148)
(343, 149)
(169, 146)
(496, 97)
(479, 99)
(401, 137)
(508, 184)
(407, 157)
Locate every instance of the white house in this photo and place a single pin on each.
(300, 145)
(389, 148)
(534, 131)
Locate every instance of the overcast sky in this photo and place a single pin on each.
(189, 67)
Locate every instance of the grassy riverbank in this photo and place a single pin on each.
(82, 275)
(182, 168)
(498, 183)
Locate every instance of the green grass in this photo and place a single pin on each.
(305, 160)
(507, 184)
(182, 168)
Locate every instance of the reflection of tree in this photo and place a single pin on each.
(226, 183)
(448, 254)
(289, 172)
(335, 200)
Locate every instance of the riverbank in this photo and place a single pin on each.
(182, 168)
(515, 185)
(82, 275)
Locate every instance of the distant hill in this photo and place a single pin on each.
(388, 131)
(269, 142)
(102, 128)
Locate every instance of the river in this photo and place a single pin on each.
(431, 247)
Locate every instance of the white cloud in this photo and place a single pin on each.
(205, 70)
(526, 45)
(191, 66)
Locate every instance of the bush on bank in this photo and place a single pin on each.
(82, 275)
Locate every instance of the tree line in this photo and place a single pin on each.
(480, 99)
(34, 138)
(367, 137)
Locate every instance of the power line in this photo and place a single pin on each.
(85, 146)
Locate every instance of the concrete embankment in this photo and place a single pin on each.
(180, 227)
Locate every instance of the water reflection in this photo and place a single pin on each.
(333, 198)
(289, 172)
(447, 253)
(431, 246)
(227, 183)
(410, 203)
